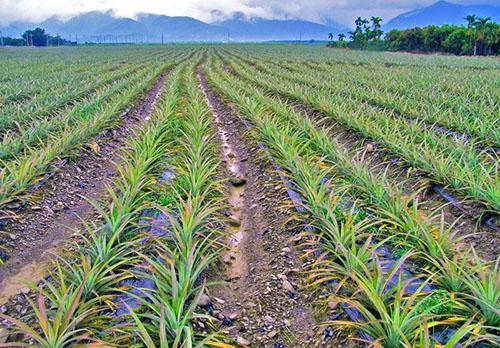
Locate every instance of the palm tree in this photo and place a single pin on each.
(477, 29)
(471, 22)
(341, 40)
(377, 33)
(330, 36)
(357, 34)
(491, 35)
(481, 26)
(359, 22)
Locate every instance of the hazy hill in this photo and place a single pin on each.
(181, 28)
(95, 26)
(440, 13)
(104, 26)
(265, 29)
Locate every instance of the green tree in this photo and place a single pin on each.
(481, 32)
(359, 33)
(481, 36)
(492, 37)
(481, 27)
(471, 22)
(36, 37)
(457, 42)
(341, 42)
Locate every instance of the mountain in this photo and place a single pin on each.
(105, 27)
(90, 23)
(440, 13)
(15, 29)
(259, 29)
(181, 28)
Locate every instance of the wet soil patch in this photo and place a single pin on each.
(59, 205)
(260, 303)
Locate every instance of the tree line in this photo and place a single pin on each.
(481, 36)
(36, 37)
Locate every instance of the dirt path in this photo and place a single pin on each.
(260, 304)
(42, 228)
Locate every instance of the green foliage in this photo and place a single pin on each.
(9, 41)
(454, 163)
(483, 290)
(457, 42)
(438, 302)
(80, 290)
(480, 37)
(42, 137)
(38, 37)
(359, 210)
(365, 35)
(400, 250)
(350, 245)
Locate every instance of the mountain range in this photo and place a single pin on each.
(440, 13)
(105, 27)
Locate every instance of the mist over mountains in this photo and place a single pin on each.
(440, 13)
(95, 26)
(105, 27)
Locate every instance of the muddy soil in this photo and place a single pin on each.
(60, 207)
(261, 303)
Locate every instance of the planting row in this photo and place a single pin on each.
(317, 53)
(462, 100)
(60, 90)
(352, 93)
(459, 105)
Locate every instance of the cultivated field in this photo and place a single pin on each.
(248, 195)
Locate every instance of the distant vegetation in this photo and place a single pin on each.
(36, 37)
(481, 36)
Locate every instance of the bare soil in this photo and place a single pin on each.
(60, 206)
(261, 303)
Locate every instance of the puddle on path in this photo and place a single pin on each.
(235, 256)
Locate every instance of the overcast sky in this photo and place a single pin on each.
(343, 11)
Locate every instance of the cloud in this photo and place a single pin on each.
(343, 11)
